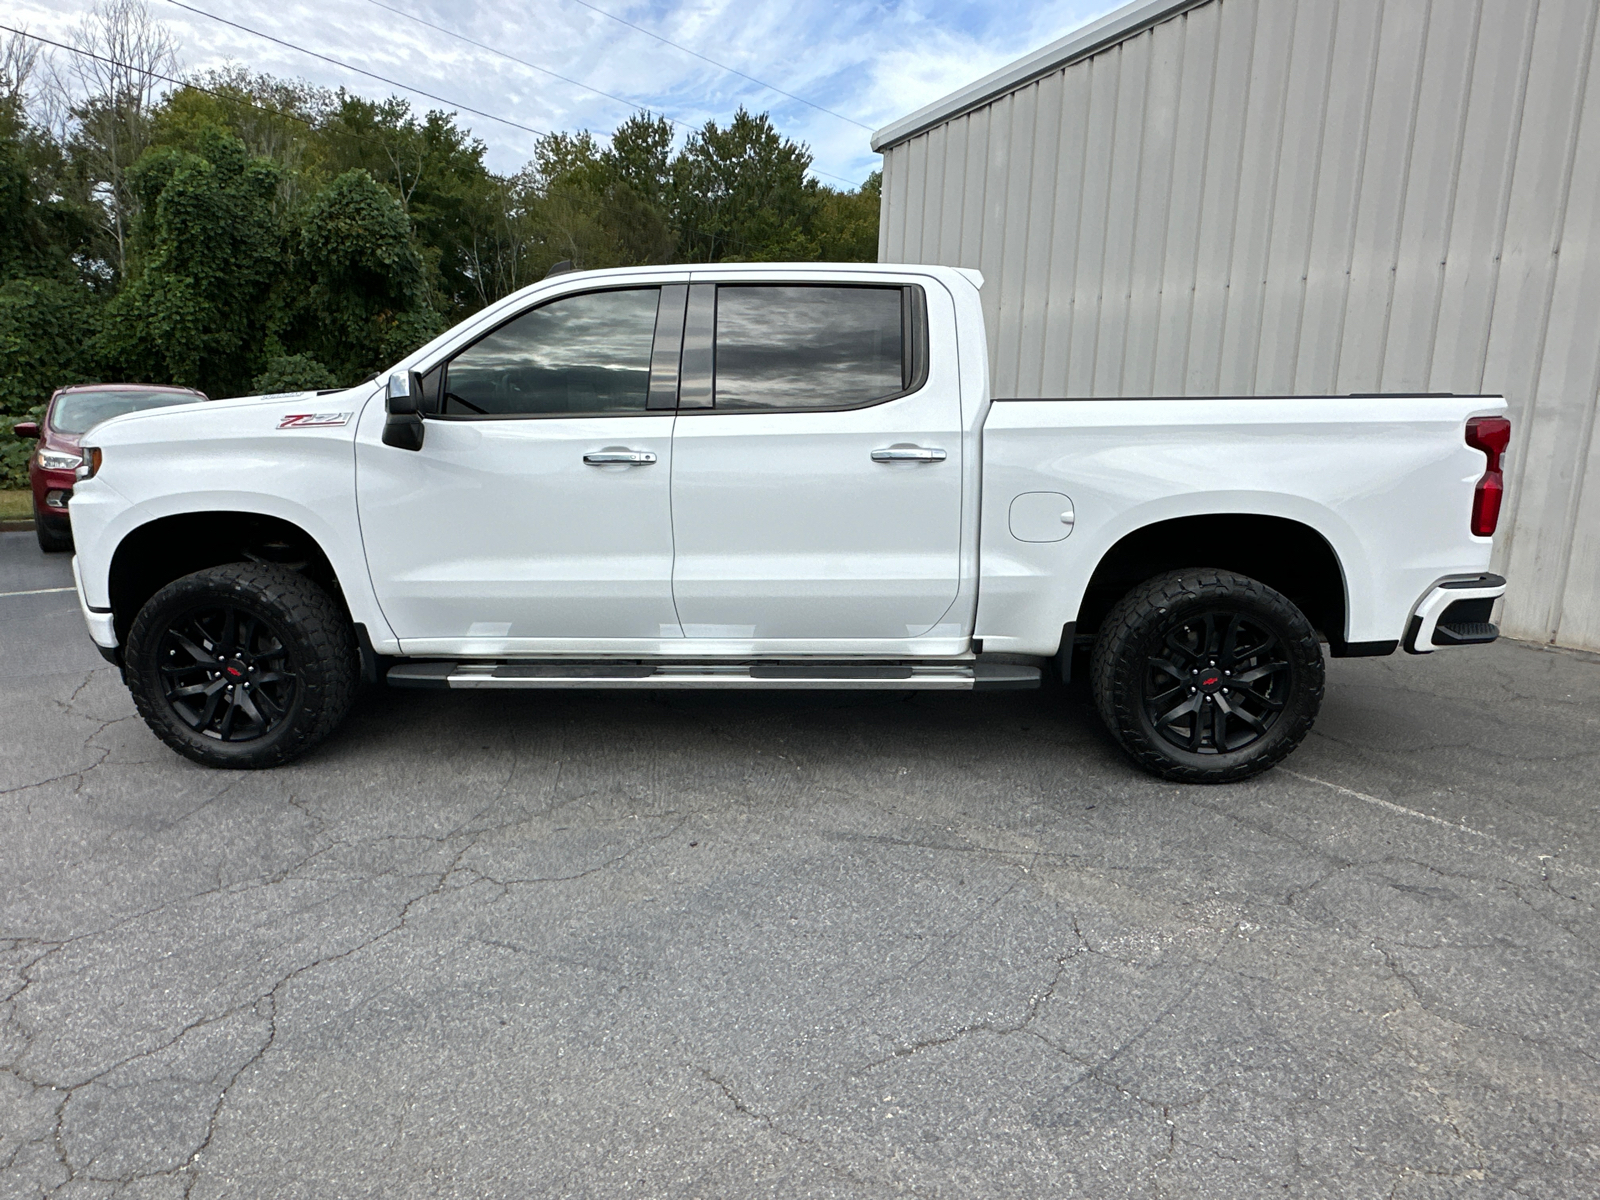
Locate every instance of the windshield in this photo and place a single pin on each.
(79, 412)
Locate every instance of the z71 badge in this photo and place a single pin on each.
(313, 420)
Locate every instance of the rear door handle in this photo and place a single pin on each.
(629, 458)
(909, 454)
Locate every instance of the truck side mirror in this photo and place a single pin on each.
(403, 398)
(26, 429)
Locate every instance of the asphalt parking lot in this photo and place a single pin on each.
(504, 945)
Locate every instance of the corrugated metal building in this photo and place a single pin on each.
(1196, 197)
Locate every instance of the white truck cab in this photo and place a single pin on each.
(774, 475)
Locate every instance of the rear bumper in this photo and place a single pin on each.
(1454, 612)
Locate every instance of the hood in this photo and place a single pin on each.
(238, 416)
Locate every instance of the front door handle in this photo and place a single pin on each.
(628, 458)
(892, 454)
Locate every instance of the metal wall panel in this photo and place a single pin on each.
(1302, 197)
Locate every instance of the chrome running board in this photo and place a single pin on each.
(792, 675)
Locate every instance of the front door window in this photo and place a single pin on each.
(585, 355)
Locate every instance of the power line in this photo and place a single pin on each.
(722, 66)
(495, 50)
(510, 57)
(405, 87)
(175, 81)
(394, 83)
(306, 121)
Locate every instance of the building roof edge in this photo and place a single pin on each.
(1114, 27)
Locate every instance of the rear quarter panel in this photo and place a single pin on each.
(1387, 481)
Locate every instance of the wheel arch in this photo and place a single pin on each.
(1286, 554)
(153, 554)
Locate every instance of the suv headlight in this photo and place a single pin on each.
(90, 463)
(54, 460)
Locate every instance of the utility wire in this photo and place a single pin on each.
(310, 124)
(495, 50)
(461, 37)
(395, 83)
(722, 66)
(175, 81)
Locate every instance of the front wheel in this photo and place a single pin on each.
(244, 665)
(53, 530)
(1204, 676)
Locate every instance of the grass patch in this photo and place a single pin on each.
(16, 504)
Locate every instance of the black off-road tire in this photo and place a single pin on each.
(1152, 651)
(316, 667)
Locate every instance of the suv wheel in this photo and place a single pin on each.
(244, 665)
(52, 530)
(1204, 676)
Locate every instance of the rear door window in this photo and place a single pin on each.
(797, 347)
(580, 355)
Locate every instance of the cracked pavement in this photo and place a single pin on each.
(584, 944)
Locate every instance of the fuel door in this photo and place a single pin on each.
(1041, 517)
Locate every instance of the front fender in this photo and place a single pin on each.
(231, 458)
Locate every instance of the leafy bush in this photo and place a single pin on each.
(197, 310)
(46, 327)
(367, 304)
(293, 373)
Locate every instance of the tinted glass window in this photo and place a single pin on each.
(580, 355)
(79, 412)
(808, 347)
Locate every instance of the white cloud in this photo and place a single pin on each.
(871, 61)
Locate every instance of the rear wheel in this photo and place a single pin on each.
(1204, 676)
(244, 665)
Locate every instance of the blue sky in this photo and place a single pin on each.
(871, 62)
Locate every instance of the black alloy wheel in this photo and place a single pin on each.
(1217, 682)
(244, 665)
(1206, 676)
(226, 672)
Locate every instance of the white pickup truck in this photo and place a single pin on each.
(774, 476)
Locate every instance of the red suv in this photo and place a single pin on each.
(71, 413)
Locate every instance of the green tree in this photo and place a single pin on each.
(432, 167)
(845, 224)
(603, 207)
(46, 327)
(367, 302)
(742, 193)
(275, 119)
(208, 249)
(640, 158)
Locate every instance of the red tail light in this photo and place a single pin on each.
(1491, 435)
